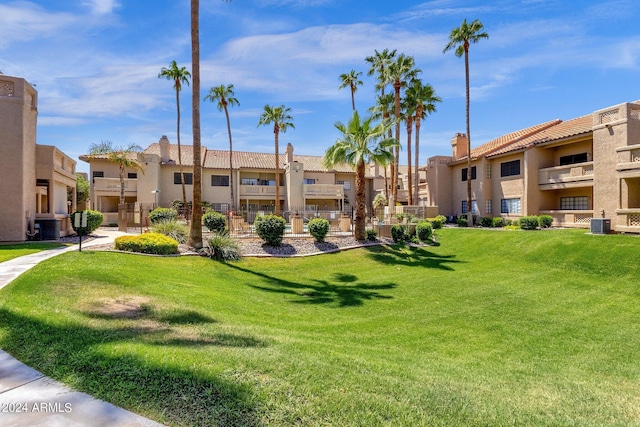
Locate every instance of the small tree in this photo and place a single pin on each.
(124, 157)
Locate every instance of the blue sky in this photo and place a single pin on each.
(95, 64)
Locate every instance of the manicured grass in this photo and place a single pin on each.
(8, 252)
(489, 328)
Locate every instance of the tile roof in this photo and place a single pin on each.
(506, 141)
(186, 151)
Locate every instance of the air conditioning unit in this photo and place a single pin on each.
(600, 226)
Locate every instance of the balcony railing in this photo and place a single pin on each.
(559, 176)
(113, 185)
(323, 191)
(261, 191)
(628, 158)
(570, 218)
(628, 220)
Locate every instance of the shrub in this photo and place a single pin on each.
(546, 221)
(372, 234)
(214, 221)
(508, 222)
(486, 221)
(515, 222)
(172, 228)
(147, 243)
(442, 219)
(424, 231)
(270, 228)
(435, 223)
(397, 233)
(529, 222)
(223, 248)
(162, 214)
(94, 220)
(497, 221)
(319, 228)
(462, 221)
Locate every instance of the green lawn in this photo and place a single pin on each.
(8, 252)
(488, 328)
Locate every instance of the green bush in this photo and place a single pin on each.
(486, 221)
(223, 248)
(94, 220)
(437, 222)
(372, 234)
(147, 243)
(424, 231)
(515, 222)
(441, 218)
(172, 228)
(529, 222)
(319, 228)
(270, 228)
(397, 233)
(497, 221)
(214, 221)
(546, 221)
(162, 214)
(508, 222)
(462, 221)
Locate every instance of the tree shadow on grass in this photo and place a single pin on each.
(401, 255)
(172, 395)
(341, 289)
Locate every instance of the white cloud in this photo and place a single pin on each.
(20, 21)
(102, 7)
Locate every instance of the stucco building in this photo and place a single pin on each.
(574, 170)
(35, 178)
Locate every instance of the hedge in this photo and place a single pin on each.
(319, 228)
(147, 243)
(162, 214)
(270, 228)
(94, 220)
(214, 221)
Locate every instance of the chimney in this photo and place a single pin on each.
(459, 146)
(289, 152)
(164, 149)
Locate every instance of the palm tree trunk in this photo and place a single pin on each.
(466, 70)
(409, 174)
(394, 170)
(277, 208)
(417, 172)
(195, 232)
(122, 184)
(233, 200)
(360, 232)
(353, 98)
(184, 191)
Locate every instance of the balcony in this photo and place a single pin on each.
(111, 186)
(628, 220)
(261, 191)
(569, 176)
(628, 160)
(323, 191)
(570, 218)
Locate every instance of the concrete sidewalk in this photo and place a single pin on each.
(28, 398)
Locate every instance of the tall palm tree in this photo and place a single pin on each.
(225, 97)
(361, 143)
(281, 119)
(425, 98)
(351, 80)
(408, 108)
(179, 76)
(124, 157)
(382, 111)
(400, 72)
(460, 39)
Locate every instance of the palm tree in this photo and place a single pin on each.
(381, 111)
(178, 76)
(361, 143)
(281, 120)
(408, 107)
(460, 39)
(400, 71)
(225, 97)
(124, 157)
(425, 98)
(352, 80)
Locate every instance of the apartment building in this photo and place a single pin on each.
(574, 170)
(36, 179)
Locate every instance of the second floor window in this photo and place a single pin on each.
(345, 184)
(309, 181)
(219, 180)
(473, 173)
(97, 174)
(188, 178)
(132, 175)
(510, 168)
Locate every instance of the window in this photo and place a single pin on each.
(474, 206)
(309, 181)
(249, 181)
(487, 206)
(487, 171)
(473, 173)
(574, 203)
(132, 175)
(188, 178)
(509, 206)
(573, 158)
(219, 180)
(97, 174)
(347, 185)
(510, 168)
